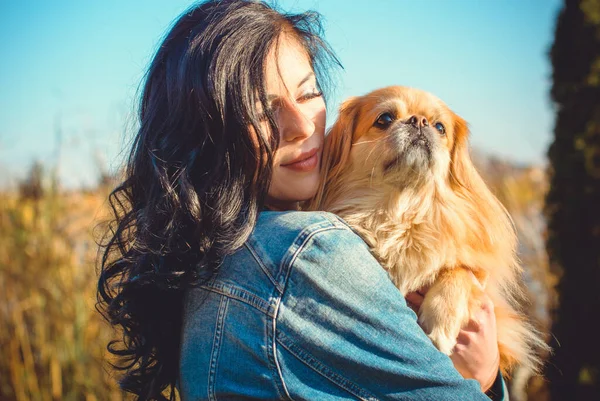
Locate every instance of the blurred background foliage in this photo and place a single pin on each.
(573, 202)
(52, 341)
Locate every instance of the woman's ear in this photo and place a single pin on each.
(336, 150)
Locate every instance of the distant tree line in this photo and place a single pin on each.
(573, 203)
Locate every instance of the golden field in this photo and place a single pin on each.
(52, 339)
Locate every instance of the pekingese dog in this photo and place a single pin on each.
(396, 167)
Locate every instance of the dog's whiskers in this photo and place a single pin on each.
(371, 177)
(374, 140)
(369, 155)
(377, 163)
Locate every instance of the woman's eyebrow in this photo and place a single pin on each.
(308, 76)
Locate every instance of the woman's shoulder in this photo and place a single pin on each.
(281, 234)
(295, 221)
(279, 237)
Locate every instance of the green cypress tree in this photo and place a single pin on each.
(573, 203)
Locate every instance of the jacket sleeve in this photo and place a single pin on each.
(344, 331)
(498, 391)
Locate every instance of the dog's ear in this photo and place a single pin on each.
(336, 150)
(338, 142)
(462, 172)
(464, 178)
(493, 226)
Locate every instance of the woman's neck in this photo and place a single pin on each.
(281, 206)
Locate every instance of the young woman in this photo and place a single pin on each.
(219, 285)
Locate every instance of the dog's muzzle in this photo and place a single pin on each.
(409, 140)
(420, 139)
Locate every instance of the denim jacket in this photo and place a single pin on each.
(304, 312)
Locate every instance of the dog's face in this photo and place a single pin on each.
(397, 135)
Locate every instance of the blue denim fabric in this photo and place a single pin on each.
(304, 312)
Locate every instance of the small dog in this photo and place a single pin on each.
(396, 167)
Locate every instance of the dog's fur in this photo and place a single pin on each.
(415, 197)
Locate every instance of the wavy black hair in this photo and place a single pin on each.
(196, 177)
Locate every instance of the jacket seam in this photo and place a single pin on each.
(299, 244)
(273, 353)
(242, 295)
(263, 267)
(317, 366)
(216, 348)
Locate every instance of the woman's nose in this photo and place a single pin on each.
(294, 124)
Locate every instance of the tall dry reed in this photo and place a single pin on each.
(52, 340)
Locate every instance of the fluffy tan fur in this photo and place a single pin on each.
(415, 197)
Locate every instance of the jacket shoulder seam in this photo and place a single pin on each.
(263, 267)
(300, 242)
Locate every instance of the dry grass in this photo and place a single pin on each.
(522, 191)
(52, 339)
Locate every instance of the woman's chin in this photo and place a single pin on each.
(292, 191)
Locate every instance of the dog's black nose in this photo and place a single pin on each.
(418, 121)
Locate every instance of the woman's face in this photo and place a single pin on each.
(299, 111)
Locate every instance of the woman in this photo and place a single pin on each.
(220, 287)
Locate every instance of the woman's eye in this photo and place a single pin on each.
(384, 121)
(311, 94)
(440, 128)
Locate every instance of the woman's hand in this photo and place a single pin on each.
(476, 355)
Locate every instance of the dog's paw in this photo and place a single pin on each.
(442, 320)
(444, 342)
(442, 332)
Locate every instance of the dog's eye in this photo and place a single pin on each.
(384, 120)
(440, 128)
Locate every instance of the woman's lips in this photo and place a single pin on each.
(305, 162)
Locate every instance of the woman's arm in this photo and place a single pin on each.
(344, 329)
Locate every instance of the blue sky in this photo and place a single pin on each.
(70, 70)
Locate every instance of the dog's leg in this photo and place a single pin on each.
(446, 307)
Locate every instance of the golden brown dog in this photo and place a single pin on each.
(396, 167)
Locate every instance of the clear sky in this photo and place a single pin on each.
(70, 70)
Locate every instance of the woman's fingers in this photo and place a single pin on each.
(415, 299)
(476, 353)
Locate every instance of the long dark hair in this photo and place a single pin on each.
(196, 177)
